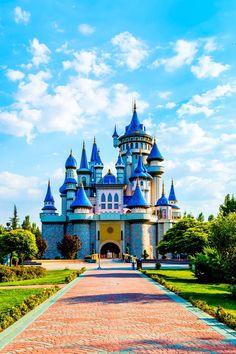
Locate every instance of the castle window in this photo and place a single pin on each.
(116, 206)
(103, 198)
(132, 145)
(141, 183)
(109, 205)
(136, 145)
(103, 206)
(109, 199)
(116, 198)
(84, 181)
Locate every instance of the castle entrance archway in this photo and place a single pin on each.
(110, 250)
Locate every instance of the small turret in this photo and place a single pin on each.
(70, 180)
(83, 171)
(94, 154)
(120, 168)
(81, 204)
(98, 166)
(49, 207)
(115, 137)
(155, 154)
(71, 162)
(163, 206)
(176, 213)
(137, 202)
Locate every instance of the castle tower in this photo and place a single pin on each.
(83, 172)
(70, 180)
(49, 207)
(156, 170)
(98, 167)
(120, 168)
(176, 213)
(93, 160)
(115, 137)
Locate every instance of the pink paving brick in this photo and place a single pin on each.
(117, 311)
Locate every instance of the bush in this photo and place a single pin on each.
(74, 275)
(16, 312)
(20, 273)
(158, 265)
(232, 289)
(208, 267)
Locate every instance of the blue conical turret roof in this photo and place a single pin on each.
(83, 162)
(71, 161)
(155, 153)
(135, 124)
(163, 201)
(140, 171)
(81, 200)
(115, 134)
(137, 199)
(94, 152)
(120, 162)
(49, 197)
(98, 160)
(172, 196)
(62, 189)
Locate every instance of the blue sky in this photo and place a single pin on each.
(69, 70)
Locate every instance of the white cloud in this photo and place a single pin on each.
(210, 44)
(88, 62)
(40, 52)
(168, 105)
(200, 103)
(185, 53)
(15, 75)
(86, 29)
(132, 52)
(21, 16)
(208, 68)
(164, 94)
(13, 185)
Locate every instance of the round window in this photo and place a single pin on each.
(110, 230)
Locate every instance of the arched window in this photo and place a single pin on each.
(103, 200)
(109, 199)
(84, 181)
(116, 201)
(132, 145)
(136, 145)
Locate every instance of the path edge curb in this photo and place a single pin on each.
(19, 326)
(228, 333)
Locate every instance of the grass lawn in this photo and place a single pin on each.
(187, 284)
(52, 277)
(10, 298)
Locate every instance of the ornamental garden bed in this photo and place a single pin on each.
(214, 299)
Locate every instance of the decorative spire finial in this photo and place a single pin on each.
(83, 145)
(134, 106)
(172, 181)
(140, 151)
(137, 183)
(49, 182)
(94, 140)
(70, 152)
(163, 188)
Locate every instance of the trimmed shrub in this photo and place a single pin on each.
(74, 275)
(20, 273)
(158, 265)
(16, 312)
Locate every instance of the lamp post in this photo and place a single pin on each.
(99, 260)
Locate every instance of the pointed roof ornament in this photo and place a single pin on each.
(49, 197)
(94, 151)
(163, 201)
(134, 106)
(163, 188)
(115, 134)
(120, 162)
(71, 161)
(98, 160)
(83, 161)
(172, 196)
(155, 154)
(137, 200)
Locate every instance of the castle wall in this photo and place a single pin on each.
(143, 237)
(82, 230)
(52, 233)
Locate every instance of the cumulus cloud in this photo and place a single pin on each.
(21, 16)
(11, 186)
(168, 105)
(164, 94)
(132, 51)
(40, 52)
(200, 103)
(185, 53)
(210, 44)
(67, 108)
(86, 29)
(88, 62)
(15, 75)
(208, 68)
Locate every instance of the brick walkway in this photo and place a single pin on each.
(118, 311)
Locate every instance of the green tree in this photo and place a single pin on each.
(229, 205)
(14, 221)
(200, 217)
(20, 242)
(26, 225)
(211, 217)
(69, 246)
(187, 236)
(41, 245)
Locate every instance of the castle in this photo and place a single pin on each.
(113, 214)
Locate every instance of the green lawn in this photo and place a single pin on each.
(10, 298)
(187, 284)
(52, 277)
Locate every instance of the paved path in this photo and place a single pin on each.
(119, 311)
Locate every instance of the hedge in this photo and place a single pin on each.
(20, 273)
(74, 275)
